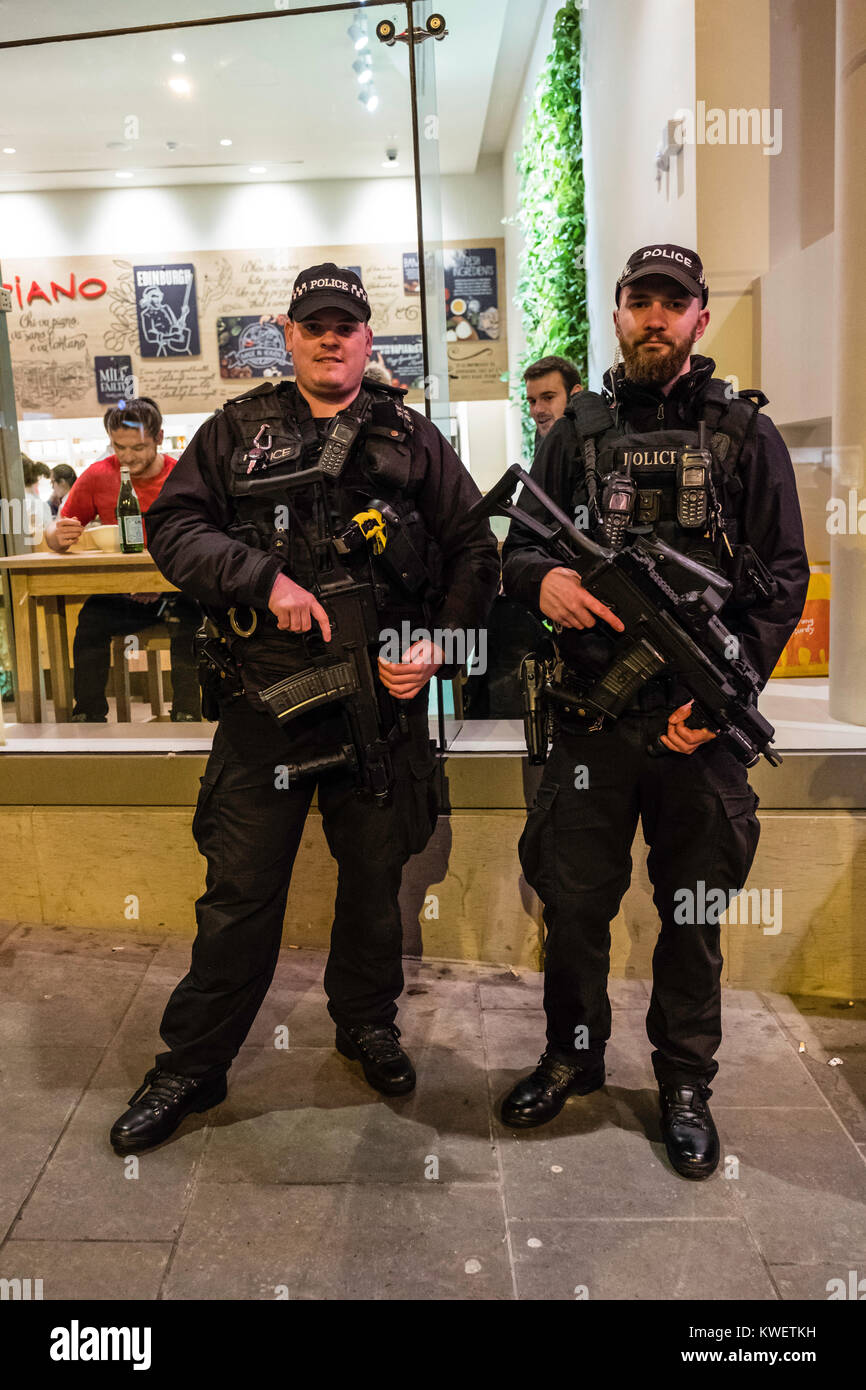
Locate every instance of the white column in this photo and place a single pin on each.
(848, 552)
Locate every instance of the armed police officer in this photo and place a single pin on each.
(670, 452)
(308, 518)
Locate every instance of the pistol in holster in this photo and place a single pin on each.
(218, 673)
(534, 672)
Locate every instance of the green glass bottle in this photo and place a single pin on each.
(129, 517)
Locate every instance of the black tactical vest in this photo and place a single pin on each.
(382, 465)
(652, 459)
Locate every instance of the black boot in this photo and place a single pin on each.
(386, 1066)
(540, 1097)
(158, 1106)
(690, 1135)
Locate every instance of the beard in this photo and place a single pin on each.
(651, 367)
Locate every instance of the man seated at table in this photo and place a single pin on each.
(135, 431)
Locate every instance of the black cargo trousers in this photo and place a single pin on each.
(697, 811)
(248, 826)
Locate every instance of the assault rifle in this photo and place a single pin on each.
(669, 606)
(342, 672)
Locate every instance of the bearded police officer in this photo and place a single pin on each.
(383, 496)
(614, 456)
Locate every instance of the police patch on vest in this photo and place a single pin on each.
(659, 460)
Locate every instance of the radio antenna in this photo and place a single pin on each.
(617, 359)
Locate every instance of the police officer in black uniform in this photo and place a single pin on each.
(614, 455)
(250, 559)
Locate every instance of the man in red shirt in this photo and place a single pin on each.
(135, 431)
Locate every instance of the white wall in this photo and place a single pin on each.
(213, 217)
(798, 293)
(638, 69)
(797, 335)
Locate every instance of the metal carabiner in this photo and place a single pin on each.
(259, 450)
(236, 627)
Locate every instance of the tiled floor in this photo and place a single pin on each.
(308, 1185)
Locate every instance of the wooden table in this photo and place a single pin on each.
(49, 579)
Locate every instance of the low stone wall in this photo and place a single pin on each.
(464, 898)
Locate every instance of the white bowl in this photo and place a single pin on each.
(102, 537)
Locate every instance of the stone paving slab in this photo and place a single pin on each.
(39, 1089)
(801, 1185)
(69, 1001)
(108, 1270)
(438, 1241)
(309, 1117)
(613, 1164)
(758, 1065)
(830, 1029)
(88, 1192)
(637, 1260)
(94, 942)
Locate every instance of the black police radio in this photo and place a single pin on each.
(342, 433)
(617, 508)
(694, 484)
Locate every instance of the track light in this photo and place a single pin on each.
(358, 32)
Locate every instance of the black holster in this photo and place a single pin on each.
(218, 674)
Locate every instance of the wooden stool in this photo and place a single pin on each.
(152, 641)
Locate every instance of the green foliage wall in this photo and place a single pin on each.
(551, 291)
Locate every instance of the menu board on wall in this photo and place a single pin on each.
(166, 309)
(184, 328)
(253, 345)
(114, 379)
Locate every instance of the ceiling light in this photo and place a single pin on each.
(358, 32)
(390, 164)
(225, 142)
(122, 174)
(180, 86)
(178, 57)
(369, 99)
(363, 68)
(258, 169)
(8, 149)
